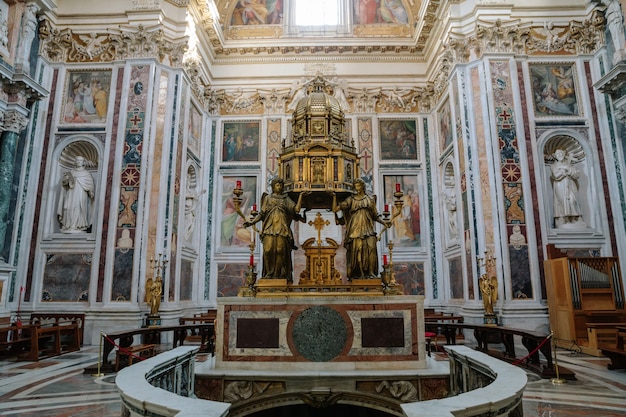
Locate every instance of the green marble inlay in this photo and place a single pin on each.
(319, 333)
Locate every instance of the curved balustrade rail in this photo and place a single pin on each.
(481, 386)
(163, 386)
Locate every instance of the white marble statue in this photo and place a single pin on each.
(615, 22)
(567, 212)
(77, 194)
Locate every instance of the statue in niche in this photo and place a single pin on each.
(278, 211)
(450, 199)
(360, 215)
(77, 194)
(191, 204)
(615, 23)
(567, 212)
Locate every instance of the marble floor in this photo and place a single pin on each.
(58, 387)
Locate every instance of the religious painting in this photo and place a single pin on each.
(257, 12)
(233, 236)
(410, 275)
(230, 277)
(368, 12)
(456, 278)
(398, 140)
(554, 90)
(240, 142)
(406, 224)
(195, 130)
(86, 97)
(445, 122)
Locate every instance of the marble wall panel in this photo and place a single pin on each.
(66, 277)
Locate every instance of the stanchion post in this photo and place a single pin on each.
(100, 374)
(556, 380)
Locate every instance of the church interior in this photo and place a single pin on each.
(357, 166)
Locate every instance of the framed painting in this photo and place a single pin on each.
(554, 90)
(230, 278)
(240, 141)
(445, 125)
(233, 236)
(406, 226)
(86, 97)
(398, 139)
(410, 275)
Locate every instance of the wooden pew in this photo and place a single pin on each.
(52, 340)
(56, 318)
(616, 354)
(15, 340)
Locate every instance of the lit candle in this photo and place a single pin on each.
(239, 184)
(251, 260)
(254, 207)
(397, 187)
(384, 259)
(386, 207)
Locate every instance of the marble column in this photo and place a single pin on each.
(14, 123)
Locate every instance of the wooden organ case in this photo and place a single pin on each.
(585, 301)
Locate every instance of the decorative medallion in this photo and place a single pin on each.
(319, 333)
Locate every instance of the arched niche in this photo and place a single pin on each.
(69, 151)
(567, 183)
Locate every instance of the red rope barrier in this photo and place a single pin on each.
(543, 342)
(127, 352)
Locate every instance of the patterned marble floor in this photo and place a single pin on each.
(57, 387)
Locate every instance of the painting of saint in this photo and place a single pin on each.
(406, 227)
(233, 235)
(410, 275)
(86, 97)
(398, 139)
(554, 90)
(257, 12)
(230, 277)
(240, 141)
(367, 12)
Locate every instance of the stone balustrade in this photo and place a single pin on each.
(481, 386)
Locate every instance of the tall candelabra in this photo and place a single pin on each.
(251, 275)
(488, 285)
(388, 276)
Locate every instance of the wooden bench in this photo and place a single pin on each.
(15, 340)
(616, 354)
(600, 335)
(56, 318)
(52, 340)
(144, 350)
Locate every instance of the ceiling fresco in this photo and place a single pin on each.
(387, 26)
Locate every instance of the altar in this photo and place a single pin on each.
(320, 333)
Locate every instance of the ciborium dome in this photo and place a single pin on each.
(319, 156)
